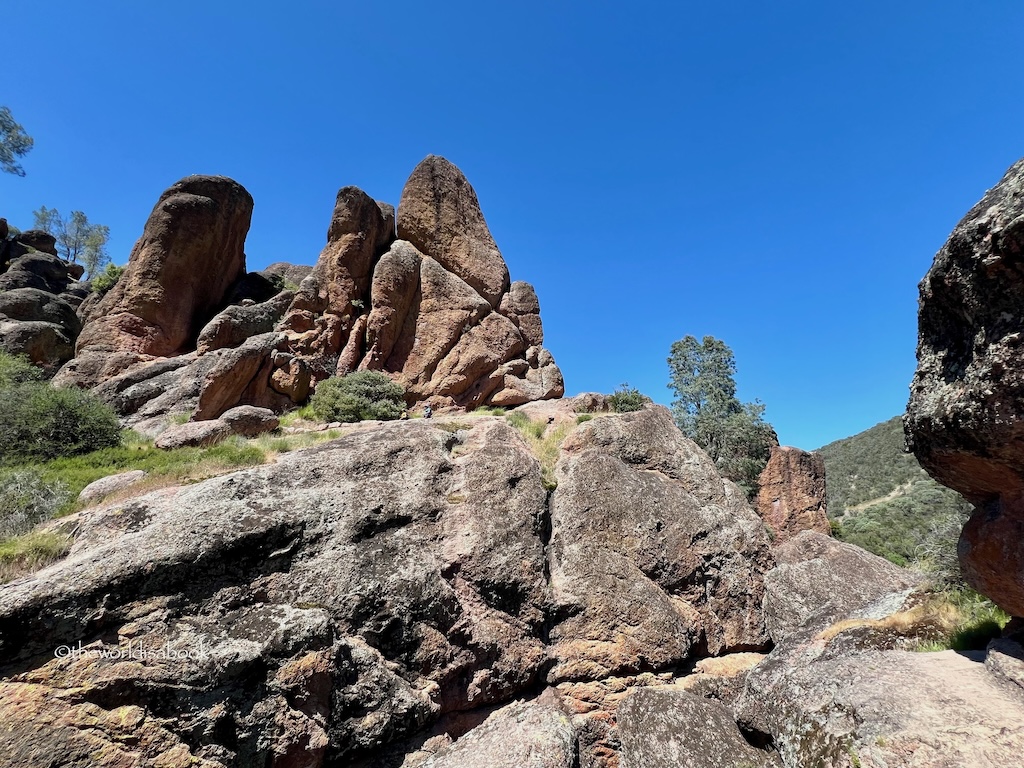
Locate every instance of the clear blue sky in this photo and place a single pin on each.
(778, 175)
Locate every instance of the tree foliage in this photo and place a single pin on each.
(77, 239)
(14, 143)
(358, 396)
(706, 409)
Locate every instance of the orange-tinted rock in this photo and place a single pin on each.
(440, 215)
(791, 495)
(179, 272)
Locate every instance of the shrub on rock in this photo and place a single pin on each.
(39, 422)
(16, 369)
(358, 396)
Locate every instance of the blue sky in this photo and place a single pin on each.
(778, 175)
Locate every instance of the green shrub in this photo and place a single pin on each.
(39, 422)
(626, 399)
(16, 369)
(584, 417)
(26, 499)
(106, 279)
(358, 396)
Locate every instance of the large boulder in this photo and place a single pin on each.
(440, 215)
(179, 273)
(965, 419)
(666, 728)
(653, 555)
(791, 493)
(818, 580)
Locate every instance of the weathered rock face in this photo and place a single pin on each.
(38, 296)
(438, 315)
(964, 420)
(179, 272)
(440, 215)
(655, 555)
(351, 601)
(791, 493)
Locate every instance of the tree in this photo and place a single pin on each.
(14, 142)
(76, 237)
(706, 409)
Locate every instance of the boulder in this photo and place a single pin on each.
(38, 240)
(666, 728)
(194, 434)
(34, 304)
(34, 269)
(250, 421)
(791, 494)
(290, 275)
(521, 306)
(179, 273)
(238, 322)
(98, 490)
(653, 555)
(48, 345)
(531, 734)
(818, 580)
(440, 215)
(964, 419)
(825, 701)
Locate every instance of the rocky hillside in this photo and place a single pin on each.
(882, 499)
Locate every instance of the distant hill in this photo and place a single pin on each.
(881, 499)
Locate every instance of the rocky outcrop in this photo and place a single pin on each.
(440, 216)
(791, 493)
(38, 296)
(351, 599)
(964, 420)
(438, 315)
(179, 273)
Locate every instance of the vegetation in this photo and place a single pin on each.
(358, 396)
(39, 422)
(16, 369)
(544, 443)
(706, 409)
(77, 239)
(30, 552)
(880, 498)
(626, 399)
(106, 279)
(974, 621)
(26, 499)
(14, 143)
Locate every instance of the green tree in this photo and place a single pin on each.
(706, 409)
(76, 237)
(14, 142)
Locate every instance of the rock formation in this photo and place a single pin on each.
(964, 420)
(791, 493)
(38, 296)
(180, 271)
(411, 594)
(436, 313)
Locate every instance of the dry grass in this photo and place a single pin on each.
(544, 441)
(30, 552)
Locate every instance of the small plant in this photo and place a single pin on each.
(26, 499)
(584, 417)
(517, 419)
(626, 399)
(106, 279)
(488, 410)
(975, 621)
(358, 396)
(544, 443)
(39, 422)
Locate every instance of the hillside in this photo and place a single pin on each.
(881, 499)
